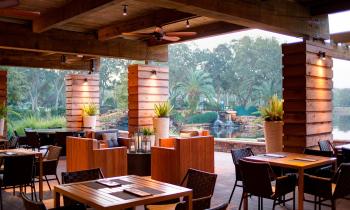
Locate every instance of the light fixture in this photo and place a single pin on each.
(80, 56)
(188, 23)
(63, 59)
(322, 55)
(85, 80)
(125, 10)
(154, 72)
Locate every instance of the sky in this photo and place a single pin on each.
(338, 22)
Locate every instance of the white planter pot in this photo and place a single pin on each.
(2, 127)
(273, 132)
(161, 128)
(89, 122)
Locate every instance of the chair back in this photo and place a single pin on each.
(202, 184)
(346, 155)
(33, 139)
(81, 176)
(60, 140)
(342, 188)
(219, 207)
(13, 143)
(318, 152)
(18, 170)
(238, 154)
(53, 153)
(256, 178)
(32, 205)
(326, 145)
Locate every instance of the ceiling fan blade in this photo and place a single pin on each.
(137, 34)
(171, 38)
(181, 33)
(8, 3)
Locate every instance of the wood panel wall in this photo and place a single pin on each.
(81, 89)
(307, 94)
(3, 90)
(145, 90)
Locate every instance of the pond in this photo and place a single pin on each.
(341, 127)
(239, 131)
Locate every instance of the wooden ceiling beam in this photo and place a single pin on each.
(73, 9)
(157, 18)
(20, 37)
(330, 7)
(204, 31)
(34, 60)
(280, 16)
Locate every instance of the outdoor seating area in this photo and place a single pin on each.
(174, 105)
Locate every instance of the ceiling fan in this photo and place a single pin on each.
(8, 3)
(158, 34)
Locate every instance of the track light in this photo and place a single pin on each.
(125, 10)
(85, 80)
(188, 23)
(322, 55)
(154, 72)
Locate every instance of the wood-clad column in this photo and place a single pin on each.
(81, 89)
(147, 86)
(307, 94)
(3, 92)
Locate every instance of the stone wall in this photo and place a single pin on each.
(225, 145)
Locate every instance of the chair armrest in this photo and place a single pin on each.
(320, 186)
(285, 184)
(202, 198)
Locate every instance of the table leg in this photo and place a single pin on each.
(301, 189)
(56, 201)
(245, 201)
(189, 202)
(41, 190)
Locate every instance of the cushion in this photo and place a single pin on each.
(111, 139)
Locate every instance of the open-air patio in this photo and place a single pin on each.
(103, 105)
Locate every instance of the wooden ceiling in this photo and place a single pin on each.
(93, 28)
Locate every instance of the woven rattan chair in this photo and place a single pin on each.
(257, 182)
(50, 164)
(34, 205)
(326, 145)
(328, 189)
(238, 154)
(322, 171)
(219, 207)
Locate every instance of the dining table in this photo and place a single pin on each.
(121, 192)
(22, 151)
(297, 161)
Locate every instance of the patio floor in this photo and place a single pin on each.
(224, 168)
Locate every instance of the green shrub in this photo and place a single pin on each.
(163, 109)
(35, 122)
(208, 117)
(90, 109)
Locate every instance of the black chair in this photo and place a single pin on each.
(13, 142)
(34, 205)
(50, 164)
(21, 140)
(328, 189)
(79, 176)
(220, 207)
(18, 172)
(322, 171)
(33, 140)
(238, 154)
(257, 182)
(60, 140)
(346, 155)
(326, 145)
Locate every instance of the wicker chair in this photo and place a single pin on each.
(220, 207)
(346, 155)
(33, 205)
(34, 141)
(60, 140)
(257, 182)
(50, 164)
(18, 172)
(326, 145)
(324, 189)
(79, 176)
(238, 154)
(322, 171)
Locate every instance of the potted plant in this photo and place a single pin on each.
(148, 139)
(272, 114)
(3, 115)
(161, 120)
(90, 112)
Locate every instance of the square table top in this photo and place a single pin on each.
(21, 151)
(102, 197)
(293, 160)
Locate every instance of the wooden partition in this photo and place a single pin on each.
(307, 94)
(170, 164)
(84, 153)
(3, 91)
(80, 89)
(147, 86)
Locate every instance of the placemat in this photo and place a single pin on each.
(122, 182)
(127, 196)
(95, 185)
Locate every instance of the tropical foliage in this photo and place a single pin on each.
(90, 109)
(147, 131)
(273, 111)
(163, 109)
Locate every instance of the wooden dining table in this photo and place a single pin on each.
(102, 197)
(297, 161)
(37, 154)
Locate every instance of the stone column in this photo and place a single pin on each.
(307, 94)
(81, 89)
(147, 85)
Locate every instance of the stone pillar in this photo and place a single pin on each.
(81, 89)
(3, 92)
(307, 94)
(147, 85)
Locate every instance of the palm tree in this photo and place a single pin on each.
(197, 84)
